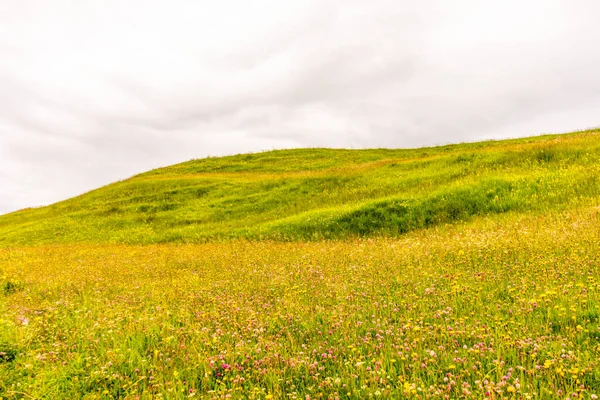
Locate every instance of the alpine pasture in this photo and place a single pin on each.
(459, 271)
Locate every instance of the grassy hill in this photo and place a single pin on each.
(110, 296)
(313, 194)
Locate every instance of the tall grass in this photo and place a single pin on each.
(504, 307)
(469, 271)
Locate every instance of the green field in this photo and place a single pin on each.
(461, 271)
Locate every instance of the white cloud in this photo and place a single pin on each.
(92, 92)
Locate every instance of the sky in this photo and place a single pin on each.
(92, 92)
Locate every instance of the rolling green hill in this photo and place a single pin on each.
(102, 298)
(323, 193)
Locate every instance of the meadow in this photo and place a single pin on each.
(315, 194)
(470, 272)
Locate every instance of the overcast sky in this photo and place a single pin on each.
(95, 91)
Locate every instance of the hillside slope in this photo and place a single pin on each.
(323, 193)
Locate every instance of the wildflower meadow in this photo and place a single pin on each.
(493, 304)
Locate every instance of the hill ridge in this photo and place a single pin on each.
(307, 194)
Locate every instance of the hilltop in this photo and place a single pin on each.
(310, 194)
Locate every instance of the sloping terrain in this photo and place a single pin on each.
(498, 298)
(501, 308)
(313, 194)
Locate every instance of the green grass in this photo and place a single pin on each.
(468, 271)
(504, 307)
(310, 194)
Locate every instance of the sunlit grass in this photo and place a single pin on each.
(499, 308)
(469, 271)
(310, 194)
